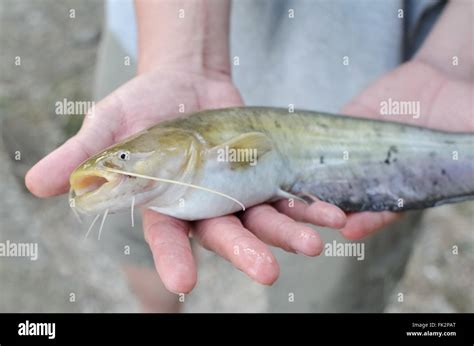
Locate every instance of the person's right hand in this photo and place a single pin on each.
(145, 101)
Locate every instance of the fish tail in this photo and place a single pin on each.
(415, 178)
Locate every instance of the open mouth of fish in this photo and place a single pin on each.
(89, 182)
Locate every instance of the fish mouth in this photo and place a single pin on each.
(89, 182)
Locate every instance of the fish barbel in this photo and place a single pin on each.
(253, 155)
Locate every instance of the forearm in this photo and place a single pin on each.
(451, 39)
(189, 35)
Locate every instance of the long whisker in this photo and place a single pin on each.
(102, 223)
(177, 183)
(92, 225)
(131, 212)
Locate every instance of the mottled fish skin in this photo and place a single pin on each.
(357, 164)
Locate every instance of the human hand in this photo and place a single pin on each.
(440, 77)
(445, 102)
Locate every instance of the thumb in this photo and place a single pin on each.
(50, 176)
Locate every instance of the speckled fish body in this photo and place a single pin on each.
(354, 163)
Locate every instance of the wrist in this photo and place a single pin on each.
(193, 65)
(184, 35)
(183, 71)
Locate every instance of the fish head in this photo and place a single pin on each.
(109, 181)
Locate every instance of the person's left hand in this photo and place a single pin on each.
(445, 102)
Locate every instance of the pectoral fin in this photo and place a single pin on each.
(244, 150)
(281, 194)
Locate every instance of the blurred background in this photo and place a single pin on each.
(58, 59)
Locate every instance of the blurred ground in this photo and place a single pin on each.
(57, 61)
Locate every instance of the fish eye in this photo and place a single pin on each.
(124, 155)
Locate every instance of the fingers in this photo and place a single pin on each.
(228, 238)
(318, 213)
(360, 225)
(169, 243)
(279, 230)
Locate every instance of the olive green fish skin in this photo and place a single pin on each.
(357, 164)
